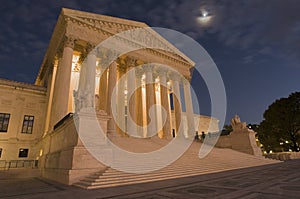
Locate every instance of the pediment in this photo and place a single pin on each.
(114, 25)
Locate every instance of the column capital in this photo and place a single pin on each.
(139, 73)
(90, 48)
(185, 81)
(130, 61)
(121, 68)
(69, 41)
(174, 76)
(148, 68)
(162, 71)
(107, 56)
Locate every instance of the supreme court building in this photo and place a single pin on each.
(36, 120)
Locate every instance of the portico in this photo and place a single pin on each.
(84, 72)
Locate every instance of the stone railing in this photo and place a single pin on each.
(10, 164)
(283, 156)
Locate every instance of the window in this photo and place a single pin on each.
(4, 120)
(23, 153)
(0, 152)
(27, 124)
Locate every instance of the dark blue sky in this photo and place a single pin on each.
(255, 44)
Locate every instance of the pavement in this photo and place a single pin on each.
(276, 181)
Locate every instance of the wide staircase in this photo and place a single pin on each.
(188, 164)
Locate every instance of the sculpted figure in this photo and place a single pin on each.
(236, 120)
(237, 124)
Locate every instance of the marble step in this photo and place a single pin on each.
(116, 174)
(135, 178)
(111, 183)
(187, 165)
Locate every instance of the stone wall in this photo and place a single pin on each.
(284, 156)
(242, 140)
(19, 99)
(65, 159)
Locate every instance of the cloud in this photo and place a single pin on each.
(271, 28)
(248, 59)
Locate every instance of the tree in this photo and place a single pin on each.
(252, 126)
(226, 129)
(280, 128)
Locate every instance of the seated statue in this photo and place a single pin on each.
(237, 124)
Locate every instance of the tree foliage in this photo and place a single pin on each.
(280, 129)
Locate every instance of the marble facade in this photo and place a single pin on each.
(72, 79)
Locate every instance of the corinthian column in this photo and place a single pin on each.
(90, 77)
(150, 101)
(85, 96)
(50, 89)
(112, 76)
(61, 95)
(139, 102)
(121, 100)
(189, 108)
(103, 90)
(165, 102)
(177, 103)
(131, 98)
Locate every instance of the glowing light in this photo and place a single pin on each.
(205, 17)
(204, 13)
(75, 64)
(286, 141)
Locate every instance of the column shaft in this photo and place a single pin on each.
(150, 101)
(50, 90)
(177, 105)
(139, 105)
(121, 102)
(189, 109)
(90, 79)
(62, 89)
(165, 105)
(103, 91)
(131, 102)
(112, 76)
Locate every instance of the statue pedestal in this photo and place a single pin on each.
(240, 139)
(244, 140)
(67, 155)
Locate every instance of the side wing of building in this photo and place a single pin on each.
(22, 110)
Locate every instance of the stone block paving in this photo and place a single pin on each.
(277, 181)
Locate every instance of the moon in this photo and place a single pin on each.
(205, 17)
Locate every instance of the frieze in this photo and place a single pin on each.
(142, 38)
(84, 33)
